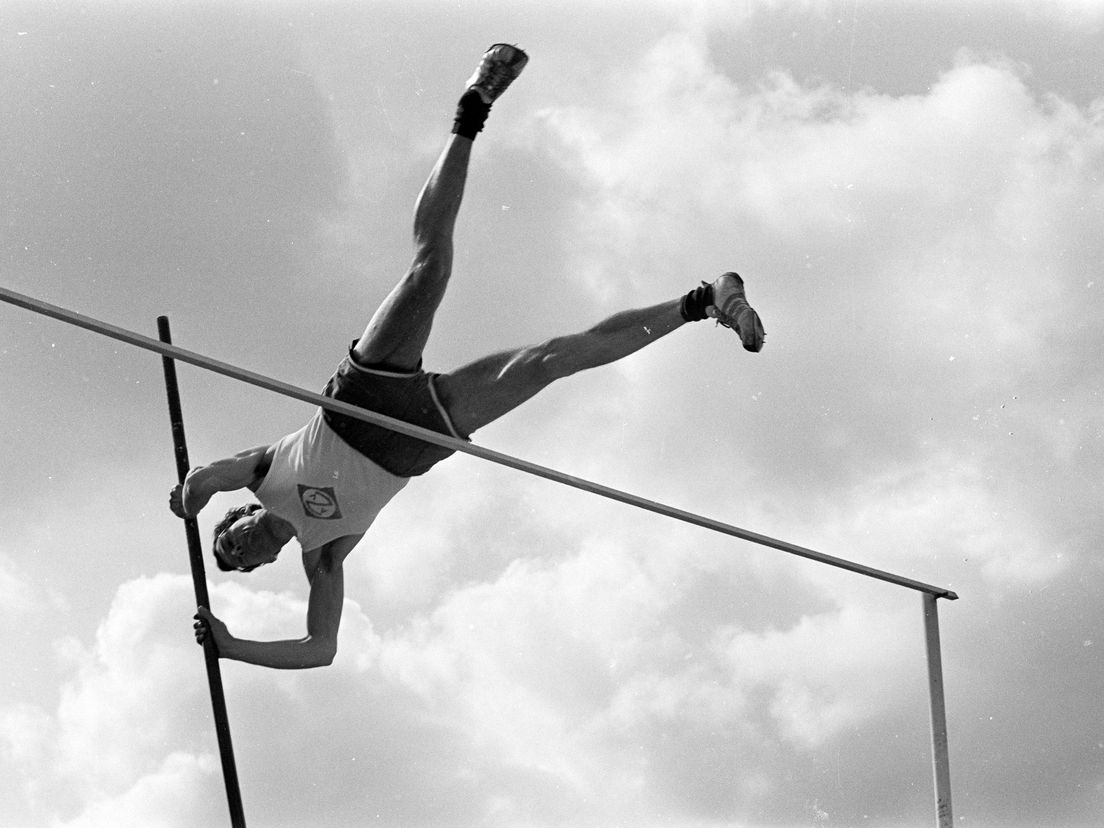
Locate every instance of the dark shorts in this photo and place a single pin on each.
(409, 396)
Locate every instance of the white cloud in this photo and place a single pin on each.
(124, 702)
(931, 253)
(132, 740)
(108, 729)
(16, 595)
(544, 696)
(583, 668)
(20, 595)
(26, 732)
(682, 151)
(932, 256)
(948, 519)
(830, 672)
(177, 793)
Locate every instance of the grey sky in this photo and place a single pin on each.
(913, 192)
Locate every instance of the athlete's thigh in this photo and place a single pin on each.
(481, 392)
(398, 331)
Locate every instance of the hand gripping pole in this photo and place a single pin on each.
(199, 582)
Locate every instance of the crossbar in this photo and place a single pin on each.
(234, 372)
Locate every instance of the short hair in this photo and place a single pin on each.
(231, 517)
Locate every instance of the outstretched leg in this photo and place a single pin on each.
(483, 391)
(398, 331)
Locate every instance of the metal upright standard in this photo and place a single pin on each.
(941, 762)
(199, 582)
(930, 592)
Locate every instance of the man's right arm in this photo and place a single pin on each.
(246, 469)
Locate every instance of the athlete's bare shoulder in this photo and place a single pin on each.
(264, 463)
(255, 463)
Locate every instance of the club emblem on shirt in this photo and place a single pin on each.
(319, 502)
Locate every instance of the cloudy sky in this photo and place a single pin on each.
(915, 195)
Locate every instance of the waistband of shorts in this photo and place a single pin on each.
(445, 416)
(384, 370)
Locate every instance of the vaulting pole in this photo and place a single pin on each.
(199, 582)
(941, 763)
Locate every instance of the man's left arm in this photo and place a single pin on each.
(319, 646)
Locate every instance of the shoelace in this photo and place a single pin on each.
(729, 319)
(732, 309)
(497, 79)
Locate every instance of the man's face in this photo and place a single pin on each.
(248, 543)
